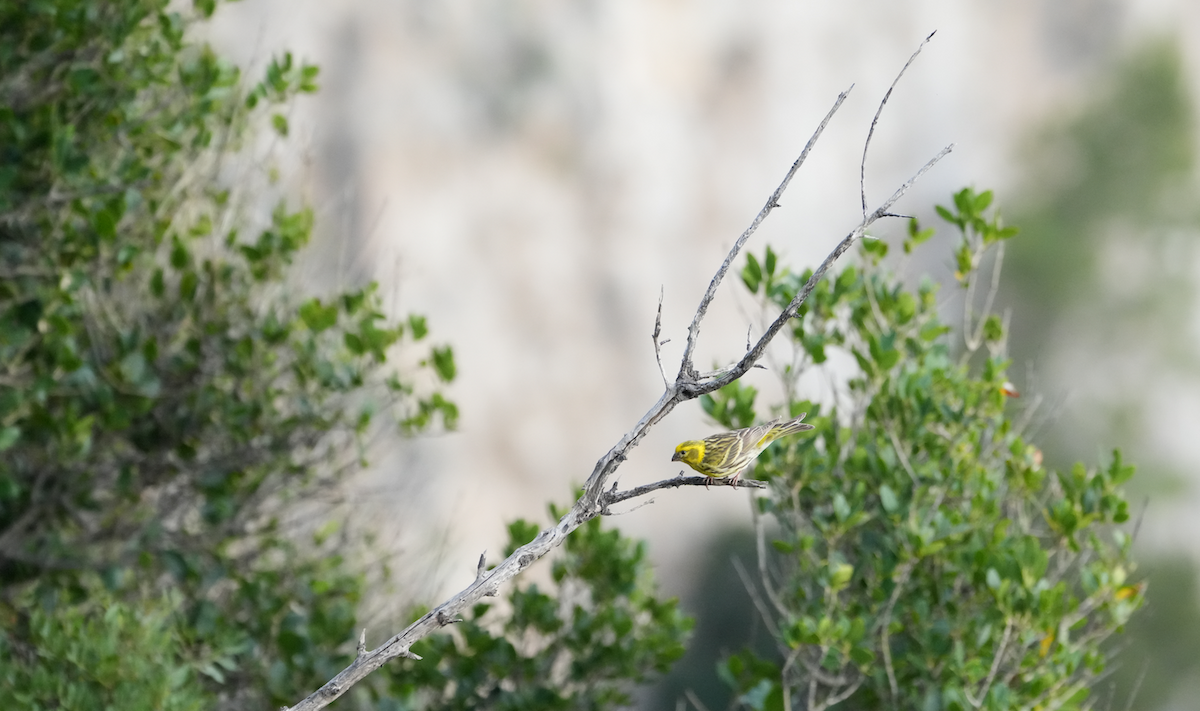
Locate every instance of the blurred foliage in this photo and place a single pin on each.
(582, 643)
(165, 401)
(1122, 156)
(100, 653)
(1159, 656)
(1105, 267)
(172, 417)
(726, 621)
(1109, 215)
(924, 557)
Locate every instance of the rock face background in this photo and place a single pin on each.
(530, 174)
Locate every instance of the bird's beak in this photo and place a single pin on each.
(677, 456)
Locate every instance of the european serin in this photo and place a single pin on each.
(728, 453)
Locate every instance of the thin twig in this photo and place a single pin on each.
(481, 567)
(739, 369)
(658, 346)
(862, 167)
(838, 698)
(752, 591)
(760, 545)
(615, 497)
(901, 454)
(1137, 685)
(993, 289)
(885, 632)
(973, 338)
(783, 677)
(772, 202)
(987, 683)
(691, 696)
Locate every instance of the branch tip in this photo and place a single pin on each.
(362, 644)
(862, 166)
(657, 344)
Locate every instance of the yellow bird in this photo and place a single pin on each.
(728, 453)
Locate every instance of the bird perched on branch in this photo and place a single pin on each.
(728, 453)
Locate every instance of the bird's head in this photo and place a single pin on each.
(689, 452)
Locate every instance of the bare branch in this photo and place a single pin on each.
(615, 497)
(1137, 685)
(691, 696)
(657, 345)
(685, 368)
(752, 356)
(973, 336)
(752, 591)
(862, 167)
(902, 455)
(841, 696)
(885, 624)
(481, 567)
(987, 683)
(1137, 525)
(760, 546)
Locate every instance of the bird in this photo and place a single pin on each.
(728, 453)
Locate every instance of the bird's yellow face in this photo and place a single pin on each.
(690, 453)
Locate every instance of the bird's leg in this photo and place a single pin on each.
(734, 480)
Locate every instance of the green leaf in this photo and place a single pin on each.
(443, 363)
(887, 498)
(187, 285)
(180, 256)
(840, 575)
(916, 234)
(993, 329)
(417, 325)
(280, 123)
(752, 274)
(756, 698)
(841, 508)
(845, 280)
(9, 436)
(883, 350)
(318, 316)
(982, 201)
(157, 284)
(877, 248)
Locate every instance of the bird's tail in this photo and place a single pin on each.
(783, 429)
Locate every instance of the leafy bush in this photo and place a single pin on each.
(578, 645)
(165, 398)
(921, 556)
(98, 654)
